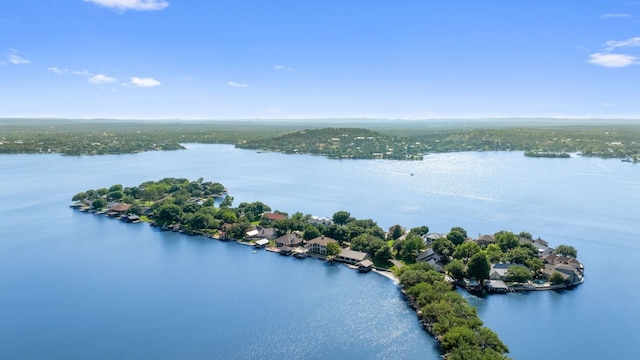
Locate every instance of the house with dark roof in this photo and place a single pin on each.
(432, 258)
(351, 256)
(365, 265)
(570, 274)
(291, 240)
(319, 244)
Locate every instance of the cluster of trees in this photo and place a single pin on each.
(340, 143)
(467, 259)
(401, 141)
(448, 316)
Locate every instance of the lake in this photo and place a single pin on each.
(76, 286)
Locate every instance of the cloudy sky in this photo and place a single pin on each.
(227, 59)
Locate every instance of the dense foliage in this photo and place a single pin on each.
(448, 316)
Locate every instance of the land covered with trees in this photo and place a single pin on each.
(205, 208)
(344, 139)
(448, 316)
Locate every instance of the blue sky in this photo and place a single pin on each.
(409, 59)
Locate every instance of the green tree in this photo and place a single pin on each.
(493, 253)
(168, 214)
(116, 187)
(460, 230)
(518, 255)
(229, 216)
(526, 235)
(566, 250)
(478, 267)
(333, 249)
(200, 221)
(238, 230)
(411, 247)
(419, 231)
(457, 337)
(310, 232)
(79, 196)
(466, 250)
(98, 204)
(456, 269)
(506, 240)
(396, 231)
(518, 274)
(341, 217)
(556, 278)
(443, 247)
(487, 339)
(456, 237)
(383, 254)
(227, 202)
(534, 264)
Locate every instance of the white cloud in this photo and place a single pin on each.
(56, 70)
(282, 68)
(235, 84)
(101, 79)
(633, 42)
(124, 5)
(16, 58)
(144, 82)
(611, 16)
(612, 60)
(607, 59)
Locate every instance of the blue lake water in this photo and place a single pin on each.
(77, 286)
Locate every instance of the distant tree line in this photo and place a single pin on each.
(403, 142)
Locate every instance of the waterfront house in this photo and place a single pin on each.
(120, 208)
(319, 244)
(365, 265)
(252, 234)
(130, 218)
(262, 233)
(554, 259)
(570, 274)
(267, 233)
(496, 286)
(292, 240)
(500, 271)
(286, 250)
(432, 258)
(261, 243)
(274, 216)
(116, 209)
(351, 256)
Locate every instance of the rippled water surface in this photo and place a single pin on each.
(74, 285)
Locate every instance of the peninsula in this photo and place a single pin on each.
(428, 265)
